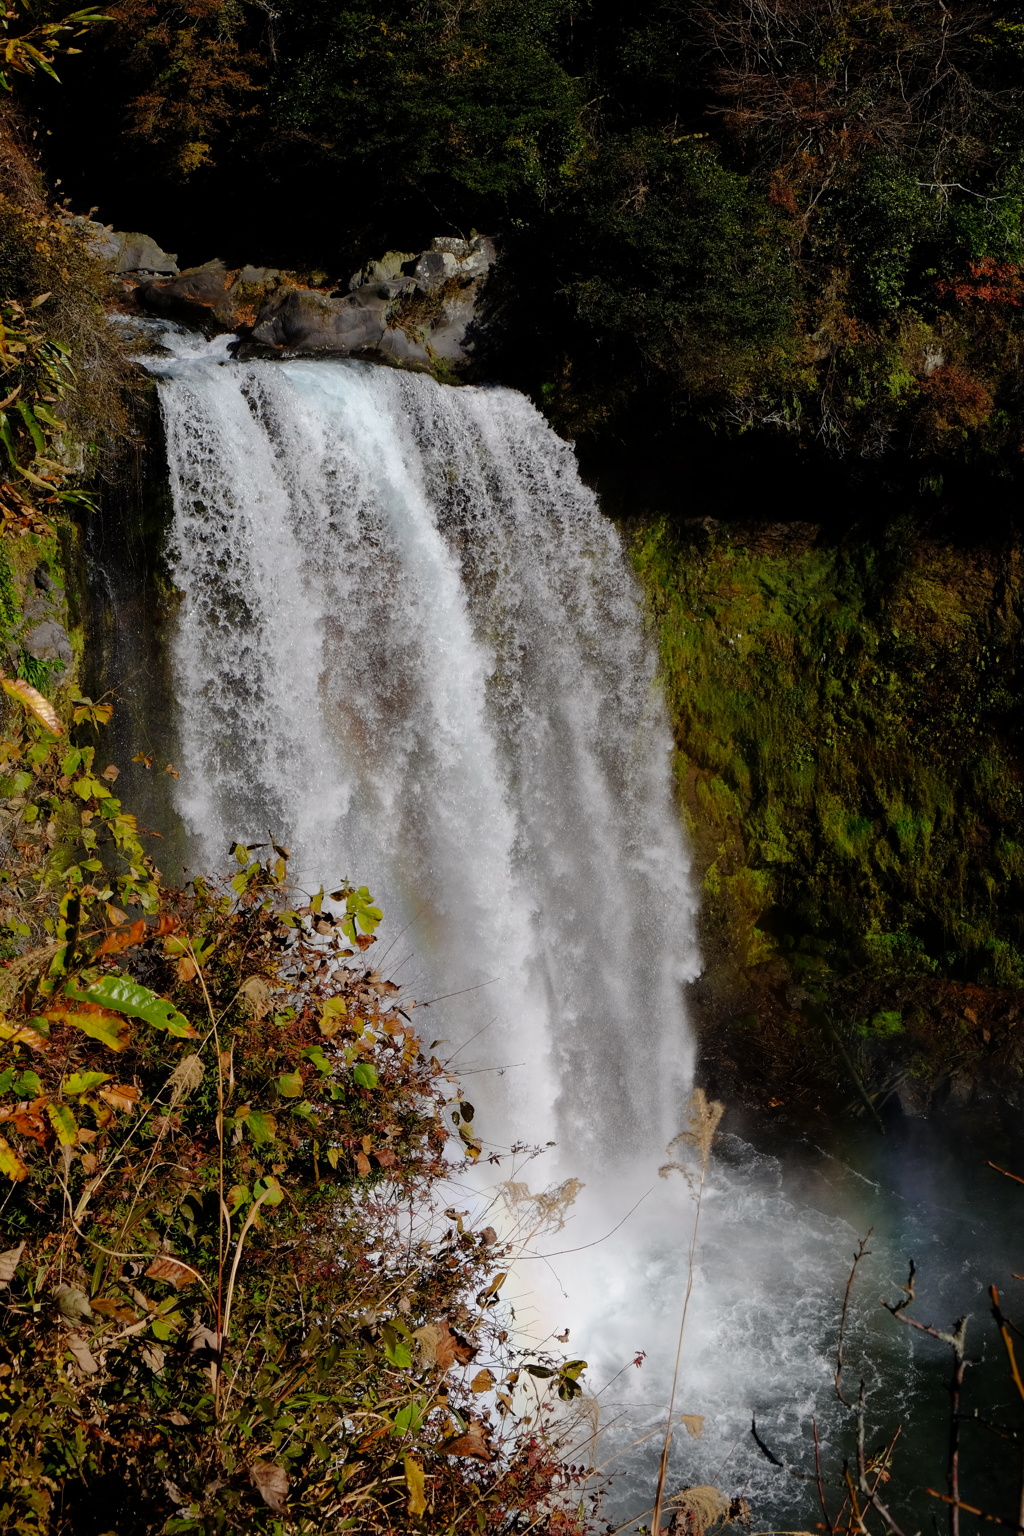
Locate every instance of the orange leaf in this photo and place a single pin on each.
(120, 1096)
(165, 924)
(362, 1163)
(173, 1271)
(114, 943)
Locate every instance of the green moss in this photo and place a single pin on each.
(847, 756)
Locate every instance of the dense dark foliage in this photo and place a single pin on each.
(799, 216)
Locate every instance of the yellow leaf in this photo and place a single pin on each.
(64, 1123)
(693, 1423)
(10, 1163)
(414, 1481)
(33, 701)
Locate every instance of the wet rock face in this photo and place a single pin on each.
(410, 309)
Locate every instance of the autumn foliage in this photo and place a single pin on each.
(232, 1296)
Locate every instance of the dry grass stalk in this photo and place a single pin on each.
(704, 1116)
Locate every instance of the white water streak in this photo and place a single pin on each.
(410, 646)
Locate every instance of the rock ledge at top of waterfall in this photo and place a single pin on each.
(418, 310)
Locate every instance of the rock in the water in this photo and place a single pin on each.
(49, 642)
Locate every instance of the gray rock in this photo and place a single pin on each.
(42, 578)
(38, 606)
(49, 642)
(391, 265)
(402, 348)
(317, 322)
(122, 252)
(434, 269)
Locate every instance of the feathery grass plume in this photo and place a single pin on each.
(697, 1510)
(550, 1206)
(704, 1116)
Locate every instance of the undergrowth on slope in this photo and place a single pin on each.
(232, 1297)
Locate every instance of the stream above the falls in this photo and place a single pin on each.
(409, 646)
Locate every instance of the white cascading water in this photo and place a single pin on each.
(410, 647)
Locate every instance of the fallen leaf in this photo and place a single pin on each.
(472, 1443)
(693, 1423)
(84, 1358)
(122, 1096)
(271, 1483)
(124, 938)
(115, 915)
(73, 1303)
(201, 1339)
(109, 1306)
(9, 1263)
(173, 1271)
(483, 1381)
(178, 1418)
(186, 969)
(363, 1164)
(154, 1357)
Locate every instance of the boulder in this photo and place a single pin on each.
(125, 253)
(410, 309)
(312, 321)
(49, 642)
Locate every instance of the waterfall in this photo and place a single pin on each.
(410, 647)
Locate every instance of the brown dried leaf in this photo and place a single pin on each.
(120, 1096)
(483, 1381)
(154, 1357)
(693, 1423)
(9, 1262)
(363, 1164)
(109, 1306)
(186, 969)
(472, 1443)
(78, 1344)
(173, 1271)
(271, 1483)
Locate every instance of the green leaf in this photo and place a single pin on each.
(364, 1074)
(82, 1082)
(35, 431)
(396, 1347)
(64, 1123)
(261, 1127)
(314, 1054)
(126, 996)
(289, 1085)
(28, 1085)
(270, 1189)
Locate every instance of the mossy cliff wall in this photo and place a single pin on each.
(848, 753)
